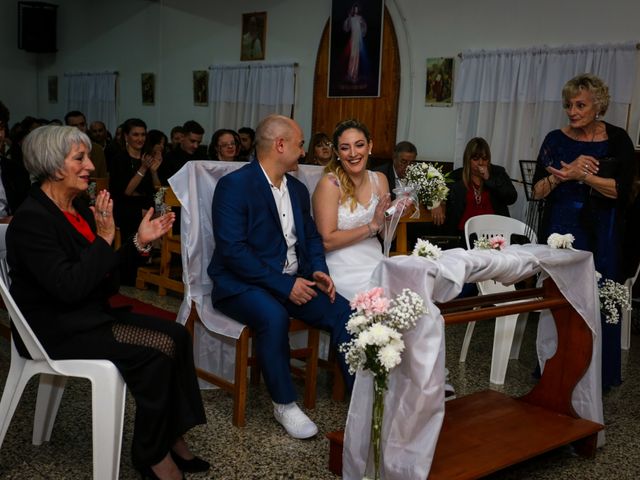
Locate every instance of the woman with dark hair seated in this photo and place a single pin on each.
(63, 269)
(225, 145)
(321, 150)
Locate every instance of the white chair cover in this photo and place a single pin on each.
(194, 184)
(415, 399)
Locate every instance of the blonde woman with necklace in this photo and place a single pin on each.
(480, 188)
(584, 175)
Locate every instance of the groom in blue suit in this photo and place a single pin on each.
(268, 263)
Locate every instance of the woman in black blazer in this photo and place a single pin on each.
(63, 269)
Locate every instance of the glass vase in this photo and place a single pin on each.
(375, 465)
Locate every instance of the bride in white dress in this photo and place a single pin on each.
(348, 206)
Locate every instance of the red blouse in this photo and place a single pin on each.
(473, 207)
(81, 225)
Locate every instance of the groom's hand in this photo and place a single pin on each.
(325, 284)
(302, 291)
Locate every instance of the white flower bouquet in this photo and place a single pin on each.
(429, 181)
(612, 295)
(424, 248)
(556, 240)
(377, 325)
(497, 242)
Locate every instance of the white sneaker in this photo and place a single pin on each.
(294, 420)
(449, 392)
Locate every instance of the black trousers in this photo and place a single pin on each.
(155, 359)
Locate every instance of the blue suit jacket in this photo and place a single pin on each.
(250, 247)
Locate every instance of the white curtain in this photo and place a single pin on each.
(94, 94)
(241, 95)
(512, 98)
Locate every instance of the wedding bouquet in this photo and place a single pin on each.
(494, 243)
(429, 182)
(376, 326)
(612, 295)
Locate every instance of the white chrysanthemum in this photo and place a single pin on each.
(389, 355)
(424, 248)
(380, 334)
(364, 339)
(357, 323)
(556, 240)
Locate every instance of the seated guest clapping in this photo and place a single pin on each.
(268, 264)
(63, 269)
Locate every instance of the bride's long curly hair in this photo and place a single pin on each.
(347, 188)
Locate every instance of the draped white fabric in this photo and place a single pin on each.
(415, 400)
(94, 94)
(241, 95)
(194, 184)
(512, 98)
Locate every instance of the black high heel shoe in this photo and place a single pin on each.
(194, 465)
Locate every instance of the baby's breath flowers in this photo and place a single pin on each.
(429, 182)
(613, 296)
(497, 242)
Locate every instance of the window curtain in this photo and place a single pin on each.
(241, 95)
(94, 94)
(513, 98)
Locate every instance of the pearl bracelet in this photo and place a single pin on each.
(139, 247)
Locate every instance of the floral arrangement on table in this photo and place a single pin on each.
(424, 248)
(376, 326)
(429, 181)
(612, 295)
(497, 242)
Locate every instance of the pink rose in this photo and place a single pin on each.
(371, 302)
(498, 242)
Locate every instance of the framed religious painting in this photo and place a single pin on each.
(439, 85)
(254, 36)
(148, 84)
(355, 50)
(201, 87)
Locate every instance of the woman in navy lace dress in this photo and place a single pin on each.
(584, 174)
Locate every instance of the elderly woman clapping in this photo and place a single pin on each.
(63, 269)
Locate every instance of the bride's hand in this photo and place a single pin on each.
(378, 215)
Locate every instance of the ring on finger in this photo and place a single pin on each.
(104, 213)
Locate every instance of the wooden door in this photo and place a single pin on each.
(379, 114)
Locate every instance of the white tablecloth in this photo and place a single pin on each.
(414, 405)
(194, 184)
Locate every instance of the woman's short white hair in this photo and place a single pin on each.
(45, 149)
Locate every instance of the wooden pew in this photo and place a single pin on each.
(487, 431)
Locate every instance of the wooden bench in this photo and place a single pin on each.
(487, 431)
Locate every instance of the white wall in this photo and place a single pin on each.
(174, 37)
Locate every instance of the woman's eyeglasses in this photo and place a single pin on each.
(324, 144)
(227, 145)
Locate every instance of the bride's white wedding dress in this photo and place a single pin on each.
(351, 267)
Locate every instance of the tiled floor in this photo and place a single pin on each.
(261, 450)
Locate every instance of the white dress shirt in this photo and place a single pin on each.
(285, 213)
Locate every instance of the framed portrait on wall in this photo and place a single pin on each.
(254, 36)
(355, 51)
(148, 84)
(439, 85)
(201, 87)
(52, 88)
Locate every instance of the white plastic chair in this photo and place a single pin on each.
(626, 314)
(108, 389)
(509, 330)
